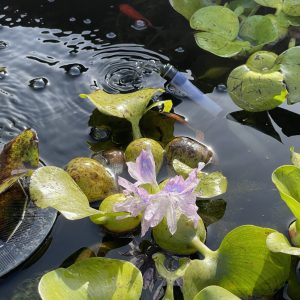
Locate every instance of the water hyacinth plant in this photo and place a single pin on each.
(177, 196)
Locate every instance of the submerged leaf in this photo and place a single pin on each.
(215, 292)
(93, 279)
(129, 106)
(243, 265)
(18, 158)
(286, 179)
(53, 187)
(278, 243)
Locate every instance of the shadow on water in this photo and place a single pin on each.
(55, 50)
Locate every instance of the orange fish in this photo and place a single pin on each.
(132, 13)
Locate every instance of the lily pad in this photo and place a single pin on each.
(295, 157)
(287, 178)
(257, 85)
(18, 158)
(129, 106)
(215, 292)
(188, 7)
(93, 279)
(290, 67)
(53, 187)
(243, 265)
(219, 28)
(278, 243)
(289, 7)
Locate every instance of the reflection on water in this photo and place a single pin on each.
(68, 49)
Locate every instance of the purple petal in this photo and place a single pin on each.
(143, 170)
(172, 218)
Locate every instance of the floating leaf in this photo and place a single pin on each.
(53, 187)
(169, 276)
(286, 179)
(211, 185)
(188, 7)
(278, 243)
(289, 7)
(290, 68)
(243, 265)
(219, 27)
(257, 85)
(18, 157)
(295, 157)
(130, 106)
(215, 292)
(93, 279)
(248, 6)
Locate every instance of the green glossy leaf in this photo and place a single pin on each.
(289, 7)
(286, 179)
(295, 157)
(211, 185)
(170, 276)
(294, 282)
(278, 243)
(93, 279)
(258, 30)
(257, 85)
(18, 158)
(188, 7)
(129, 106)
(215, 292)
(218, 20)
(53, 187)
(290, 68)
(243, 265)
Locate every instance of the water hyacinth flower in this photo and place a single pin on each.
(175, 198)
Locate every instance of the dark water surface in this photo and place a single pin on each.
(72, 47)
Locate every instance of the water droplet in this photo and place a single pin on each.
(179, 50)
(3, 73)
(74, 69)
(111, 35)
(87, 21)
(72, 19)
(100, 134)
(222, 88)
(3, 45)
(38, 83)
(139, 25)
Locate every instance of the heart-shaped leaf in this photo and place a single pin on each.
(18, 158)
(243, 265)
(278, 243)
(219, 28)
(188, 7)
(257, 85)
(290, 68)
(93, 279)
(53, 187)
(129, 106)
(215, 292)
(286, 179)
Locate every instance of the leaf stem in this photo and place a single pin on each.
(169, 294)
(136, 133)
(202, 248)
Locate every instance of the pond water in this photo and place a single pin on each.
(55, 50)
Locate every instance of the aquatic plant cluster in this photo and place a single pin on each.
(248, 28)
(122, 176)
(250, 261)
